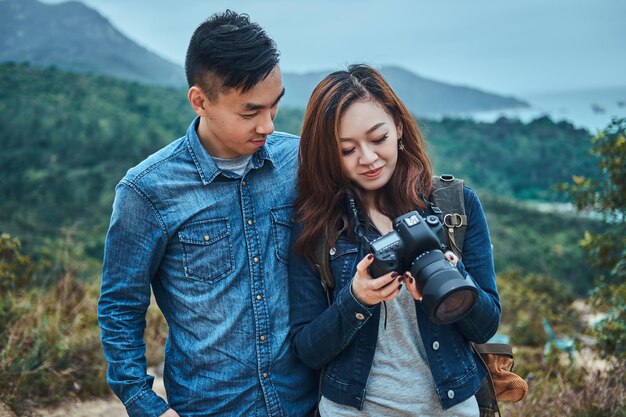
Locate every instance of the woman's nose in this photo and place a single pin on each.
(368, 156)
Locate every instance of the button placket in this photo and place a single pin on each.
(261, 314)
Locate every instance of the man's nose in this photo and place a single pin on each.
(266, 124)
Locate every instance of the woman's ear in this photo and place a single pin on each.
(399, 130)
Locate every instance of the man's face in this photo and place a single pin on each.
(236, 123)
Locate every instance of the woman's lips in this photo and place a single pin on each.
(373, 173)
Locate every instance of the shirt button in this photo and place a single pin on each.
(262, 338)
(259, 297)
(250, 222)
(332, 251)
(265, 375)
(243, 183)
(435, 345)
(256, 260)
(451, 394)
(206, 238)
(360, 316)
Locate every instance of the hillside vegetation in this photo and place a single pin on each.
(69, 138)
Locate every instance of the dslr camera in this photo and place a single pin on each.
(416, 245)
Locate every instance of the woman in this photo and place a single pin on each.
(359, 139)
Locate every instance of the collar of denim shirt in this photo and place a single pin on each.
(205, 164)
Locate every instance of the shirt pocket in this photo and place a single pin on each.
(207, 250)
(282, 222)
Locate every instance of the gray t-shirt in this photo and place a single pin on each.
(236, 165)
(400, 382)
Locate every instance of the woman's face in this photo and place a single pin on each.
(369, 144)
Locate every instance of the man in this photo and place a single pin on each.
(206, 222)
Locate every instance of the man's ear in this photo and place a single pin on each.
(198, 100)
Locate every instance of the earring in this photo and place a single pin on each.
(400, 145)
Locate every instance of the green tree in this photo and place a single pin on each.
(606, 196)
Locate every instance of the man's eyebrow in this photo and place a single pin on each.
(370, 130)
(256, 106)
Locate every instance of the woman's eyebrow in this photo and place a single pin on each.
(370, 130)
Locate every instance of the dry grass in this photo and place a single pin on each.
(50, 345)
(563, 390)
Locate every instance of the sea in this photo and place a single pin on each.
(589, 109)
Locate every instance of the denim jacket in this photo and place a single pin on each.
(213, 247)
(341, 338)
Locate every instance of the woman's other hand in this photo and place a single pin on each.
(371, 291)
(451, 257)
(411, 284)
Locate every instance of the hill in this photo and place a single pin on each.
(423, 97)
(75, 37)
(68, 138)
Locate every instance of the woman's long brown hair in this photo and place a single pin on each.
(321, 205)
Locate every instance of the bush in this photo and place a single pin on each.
(527, 299)
(15, 268)
(573, 392)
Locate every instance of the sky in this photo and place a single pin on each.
(516, 47)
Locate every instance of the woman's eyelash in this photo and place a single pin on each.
(347, 151)
(381, 139)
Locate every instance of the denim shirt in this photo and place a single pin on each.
(213, 247)
(341, 338)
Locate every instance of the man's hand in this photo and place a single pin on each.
(170, 413)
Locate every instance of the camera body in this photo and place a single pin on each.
(416, 245)
(412, 235)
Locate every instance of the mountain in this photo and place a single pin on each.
(422, 96)
(72, 36)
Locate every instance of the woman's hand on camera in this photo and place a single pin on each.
(451, 257)
(371, 291)
(411, 284)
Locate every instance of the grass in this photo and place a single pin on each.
(50, 345)
(573, 392)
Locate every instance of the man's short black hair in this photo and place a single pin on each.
(229, 51)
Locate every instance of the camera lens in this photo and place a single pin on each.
(454, 306)
(446, 295)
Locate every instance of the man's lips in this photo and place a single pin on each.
(259, 141)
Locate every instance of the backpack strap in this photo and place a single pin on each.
(321, 260)
(447, 195)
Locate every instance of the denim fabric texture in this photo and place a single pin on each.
(341, 339)
(213, 247)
